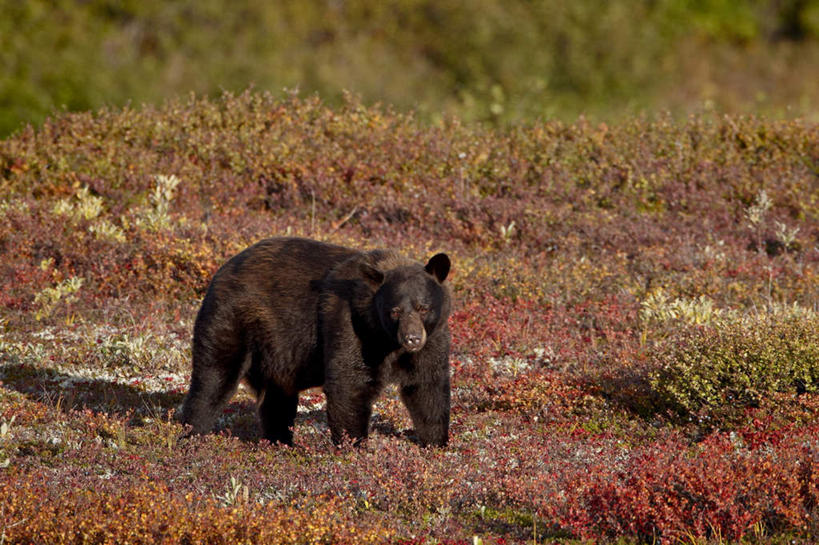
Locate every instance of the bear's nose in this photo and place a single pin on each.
(412, 342)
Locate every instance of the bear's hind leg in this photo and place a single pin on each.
(278, 413)
(213, 383)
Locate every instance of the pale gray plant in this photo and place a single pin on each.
(786, 235)
(236, 493)
(157, 216)
(48, 299)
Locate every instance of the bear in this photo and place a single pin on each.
(288, 314)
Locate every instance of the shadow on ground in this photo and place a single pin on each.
(66, 392)
(72, 392)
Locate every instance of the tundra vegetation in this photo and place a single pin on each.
(635, 336)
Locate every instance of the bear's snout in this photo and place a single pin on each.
(412, 338)
(413, 342)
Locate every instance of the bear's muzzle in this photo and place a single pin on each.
(413, 338)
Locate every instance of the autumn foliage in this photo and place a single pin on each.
(634, 341)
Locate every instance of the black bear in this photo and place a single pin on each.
(287, 314)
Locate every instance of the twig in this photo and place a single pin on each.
(337, 225)
(313, 214)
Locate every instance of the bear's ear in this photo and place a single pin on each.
(371, 274)
(438, 266)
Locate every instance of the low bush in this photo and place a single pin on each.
(152, 513)
(717, 490)
(716, 372)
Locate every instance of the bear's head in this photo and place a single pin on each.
(410, 300)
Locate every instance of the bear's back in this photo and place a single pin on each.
(282, 266)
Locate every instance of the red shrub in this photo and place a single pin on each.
(671, 490)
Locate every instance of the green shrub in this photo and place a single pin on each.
(716, 372)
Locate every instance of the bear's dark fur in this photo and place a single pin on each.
(288, 314)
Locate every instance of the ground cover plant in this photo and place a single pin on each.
(635, 336)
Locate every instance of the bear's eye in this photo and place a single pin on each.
(423, 310)
(395, 313)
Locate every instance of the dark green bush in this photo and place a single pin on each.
(716, 372)
(492, 60)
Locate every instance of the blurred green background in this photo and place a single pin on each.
(488, 60)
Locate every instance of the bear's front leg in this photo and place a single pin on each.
(426, 393)
(428, 405)
(349, 406)
(350, 386)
